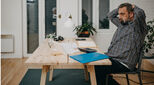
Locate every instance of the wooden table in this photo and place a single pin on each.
(48, 58)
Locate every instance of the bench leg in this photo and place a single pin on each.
(51, 73)
(44, 74)
(86, 73)
(91, 69)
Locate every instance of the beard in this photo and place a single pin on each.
(124, 22)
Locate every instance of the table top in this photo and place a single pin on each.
(55, 54)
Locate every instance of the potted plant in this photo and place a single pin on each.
(149, 41)
(51, 36)
(85, 30)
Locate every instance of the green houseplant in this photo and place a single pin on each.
(85, 30)
(149, 41)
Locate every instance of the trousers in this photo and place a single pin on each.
(103, 70)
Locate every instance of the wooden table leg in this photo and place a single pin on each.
(91, 69)
(51, 73)
(45, 69)
(86, 73)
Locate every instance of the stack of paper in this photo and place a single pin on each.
(86, 44)
(70, 48)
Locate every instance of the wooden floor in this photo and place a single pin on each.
(13, 70)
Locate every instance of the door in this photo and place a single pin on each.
(39, 20)
(30, 26)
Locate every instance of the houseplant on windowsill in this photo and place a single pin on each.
(85, 30)
(149, 41)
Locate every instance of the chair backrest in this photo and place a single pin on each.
(141, 54)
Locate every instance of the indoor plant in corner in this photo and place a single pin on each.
(149, 41)
(85, 30)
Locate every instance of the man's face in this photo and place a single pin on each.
(124, 15)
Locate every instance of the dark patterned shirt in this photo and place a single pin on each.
(128, 39)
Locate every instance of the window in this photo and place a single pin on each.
(86, 11)
(50, 16)
(32, 25)
(103, 11)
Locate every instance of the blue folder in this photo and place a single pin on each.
(89, 57)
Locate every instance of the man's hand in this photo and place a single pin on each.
(133, 6)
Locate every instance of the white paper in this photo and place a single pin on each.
(86, 44)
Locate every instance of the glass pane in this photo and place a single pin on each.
(32, 25)
(86, 11)
(103, 11)
(50, 16)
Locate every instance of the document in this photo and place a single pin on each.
(69, 47)
(89, 57)
(86, 44)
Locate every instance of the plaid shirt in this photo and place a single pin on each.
(128, 39)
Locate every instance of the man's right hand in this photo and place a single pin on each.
(133, 6)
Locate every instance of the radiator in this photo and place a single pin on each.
(7, 43)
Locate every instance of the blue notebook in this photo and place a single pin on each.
(89, 57)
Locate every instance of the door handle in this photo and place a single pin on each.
(59, 16)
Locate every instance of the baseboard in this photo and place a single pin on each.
(10, 56)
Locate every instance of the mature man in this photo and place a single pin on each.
(126, 43)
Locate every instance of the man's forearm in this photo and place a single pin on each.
(138, 12)
(140, 19)
(113, 17)
(113, 14)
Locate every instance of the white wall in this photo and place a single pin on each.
(11, 20)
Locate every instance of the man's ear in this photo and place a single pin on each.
(131, 15)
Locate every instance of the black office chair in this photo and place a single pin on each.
(136, 71)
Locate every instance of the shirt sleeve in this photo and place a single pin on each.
(113, 17)
(139, 19)
(138, 14)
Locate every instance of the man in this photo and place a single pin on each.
(126, 43)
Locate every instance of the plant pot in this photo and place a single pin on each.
(84, 34)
